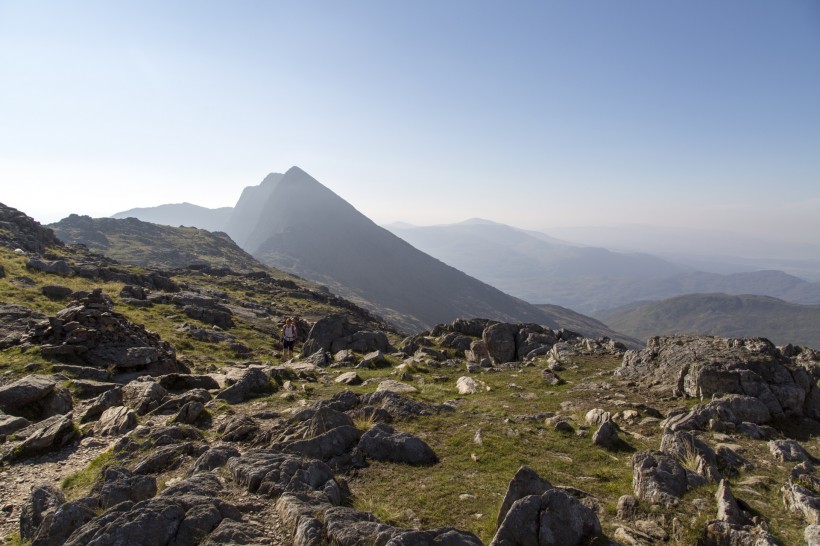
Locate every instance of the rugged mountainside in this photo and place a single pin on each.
(590, 280)
(135, 242)
(140, 406)
(722, 315)
(306, 229)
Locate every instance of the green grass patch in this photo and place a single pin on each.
(79, 484)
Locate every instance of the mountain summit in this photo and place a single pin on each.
(306, 229)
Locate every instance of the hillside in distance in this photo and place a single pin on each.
(181, 214)
(135, 242)
(721, 315)
(591, 280)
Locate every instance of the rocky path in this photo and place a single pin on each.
(50, 469)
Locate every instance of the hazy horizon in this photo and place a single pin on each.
(541, 115)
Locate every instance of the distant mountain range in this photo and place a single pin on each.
(722, 315)
(416, 277)
(292, 222)
(538, 268)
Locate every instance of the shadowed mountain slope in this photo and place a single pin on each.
(308, 230)
(722, 315)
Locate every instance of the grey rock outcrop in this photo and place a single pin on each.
(91, 333)
(526, 482)
(703, 366)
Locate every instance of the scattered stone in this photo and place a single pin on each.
(384, 443)
(115, 421)
(252, 382)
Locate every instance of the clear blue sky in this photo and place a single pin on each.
(534, 113)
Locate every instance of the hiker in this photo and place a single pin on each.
(289, 334)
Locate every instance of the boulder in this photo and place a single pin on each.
(606, 436)
(384, 443)
(657, 478)
(467, 385)
(704, 366)
(185, 513)
(56, 292)
(526, 482)
(60, 523)
(106, 400)
(685, 446)
(554, 518)
(272, 474)
(15, 322)
(189, 413)
(42, 499)
(253, 382)
(500, 342)
(143, 396)
(10, 424)
(721, 533)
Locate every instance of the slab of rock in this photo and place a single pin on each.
(718, 533)
(25, 391)
(724, 414)
(789, 451)
(396, 387)
(116, 421)
(799, 499)
(10, 424)
(185, 382)
(215, 457)
(48, 435)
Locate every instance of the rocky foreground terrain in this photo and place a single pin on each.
(154, 407)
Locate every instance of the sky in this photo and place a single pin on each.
(537, 114)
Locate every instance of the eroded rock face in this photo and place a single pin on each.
(703, 366)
